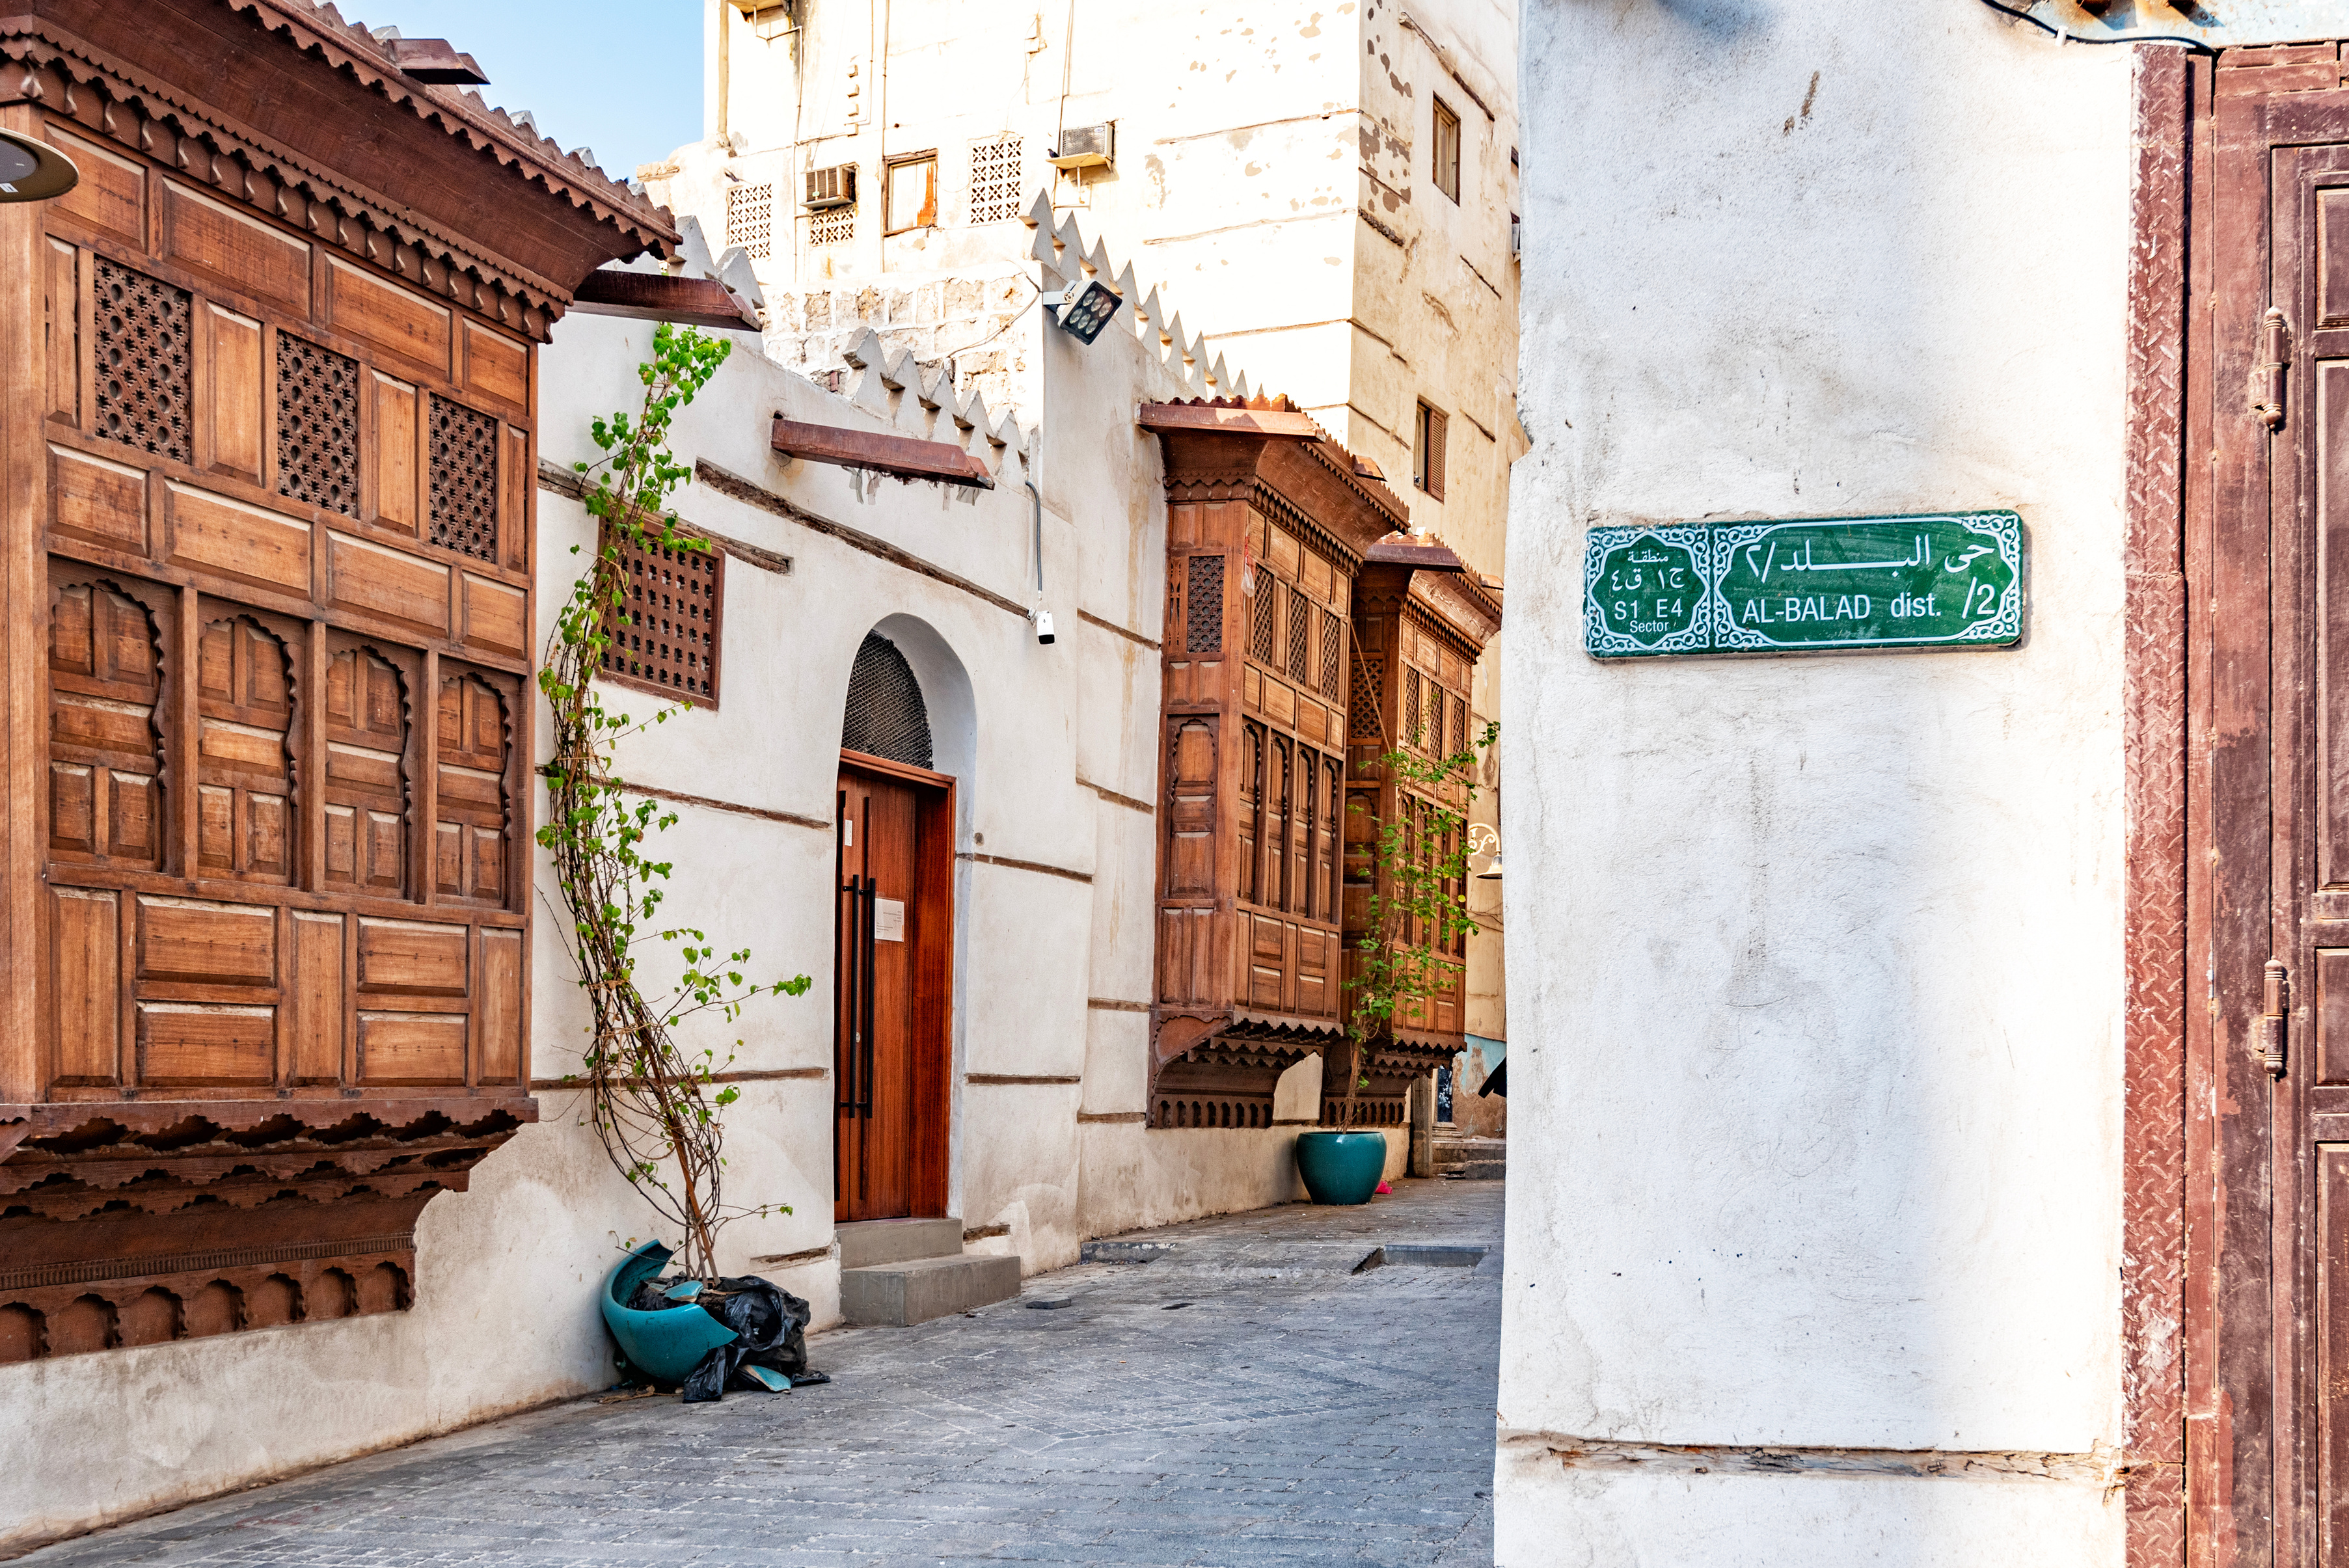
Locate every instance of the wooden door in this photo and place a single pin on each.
(893, 924)
(2271, 1445)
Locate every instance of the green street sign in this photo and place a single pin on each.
(1651, 590)
(1938, 579)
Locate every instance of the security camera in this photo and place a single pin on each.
(1043, 626)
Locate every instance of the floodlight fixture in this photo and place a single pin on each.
(33, 170)
(1085, 308)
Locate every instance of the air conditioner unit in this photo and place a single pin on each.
(833, 187)
(1516, 236)
(1086, 147)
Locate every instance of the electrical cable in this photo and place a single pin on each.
(2065, 34)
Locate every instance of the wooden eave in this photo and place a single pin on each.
(1272, 443)
(905, 457)
(657, 296)
(266, 99)
(1228, 419)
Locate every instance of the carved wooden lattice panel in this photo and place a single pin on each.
(1202, 630)
(245, 786)
(667, 636)
(317, 425)
(1362, 710)
(1263, 608)
(1300, 632)
(105, 801)
(366, 794)
(464, 480)
(145, 328)
(469, 838)
(1333, 649)
(1413, 733)
(997, 189)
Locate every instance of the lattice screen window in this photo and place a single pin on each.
(886, 716)
(751, 219)
(1333, 649)
(1264, 609)
(464, 480)
(1202, 614)
(833, 226)
(1410, 735)
(1300, 632)
(318, 426)
(1460, 735)
(145, 383)
(667, 639)
(1362, 710)
(997, 189)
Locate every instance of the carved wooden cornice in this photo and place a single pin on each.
(131, 1221)
(161, 107)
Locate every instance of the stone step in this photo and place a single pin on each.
(1477, 1170)
(865, 1242)
(919, 1289)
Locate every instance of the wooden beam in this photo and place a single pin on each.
(1227, 419)
(657, 296)
(1393, 552)
(903, 456)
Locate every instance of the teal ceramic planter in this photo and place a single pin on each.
(1341, 1167)
(665, 1345)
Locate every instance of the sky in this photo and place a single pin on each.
(620, 76)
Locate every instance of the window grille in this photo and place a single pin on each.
(1262, 612)
(1203, 627)
(1410, 727)
(317, 425)
(145, 383)
(833, 226)
(1300, 631)
(885, 716)
(997, 187)
(1333, 652)
(1460, 735)
(1362, 711)
(666, 638)
(464, 480)
(750, 219)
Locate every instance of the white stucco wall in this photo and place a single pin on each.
(1816, 962)
(505, 1314)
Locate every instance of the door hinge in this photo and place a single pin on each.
(2277, 997)
(2267, 374)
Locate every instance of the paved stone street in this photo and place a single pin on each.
(1245, 1399)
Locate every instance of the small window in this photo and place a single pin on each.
(912, 197)
(1447, 150)
(1427, 451)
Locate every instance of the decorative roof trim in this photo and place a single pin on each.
(92, 90)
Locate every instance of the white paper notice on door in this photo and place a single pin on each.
(888, 919)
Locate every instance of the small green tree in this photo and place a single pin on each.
(654, 1103)
(1419, 899)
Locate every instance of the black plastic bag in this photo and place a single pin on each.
(771, 1327)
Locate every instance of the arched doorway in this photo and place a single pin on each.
(892, 949)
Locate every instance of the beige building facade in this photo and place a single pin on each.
(1323, 194)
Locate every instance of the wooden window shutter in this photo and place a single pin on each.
(666, 639)
(1435, 427)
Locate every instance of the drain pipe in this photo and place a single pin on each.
(1039, 616)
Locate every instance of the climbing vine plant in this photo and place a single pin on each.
(1418, 900)
(655, 1104)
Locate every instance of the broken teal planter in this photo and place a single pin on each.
(1341, 1167)
(664, 1346)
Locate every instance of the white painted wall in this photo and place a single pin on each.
(505, 1314)
(1816, 961)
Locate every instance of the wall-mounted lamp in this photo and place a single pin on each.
(1085, 308)
(33, 170)
(1484, 841)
